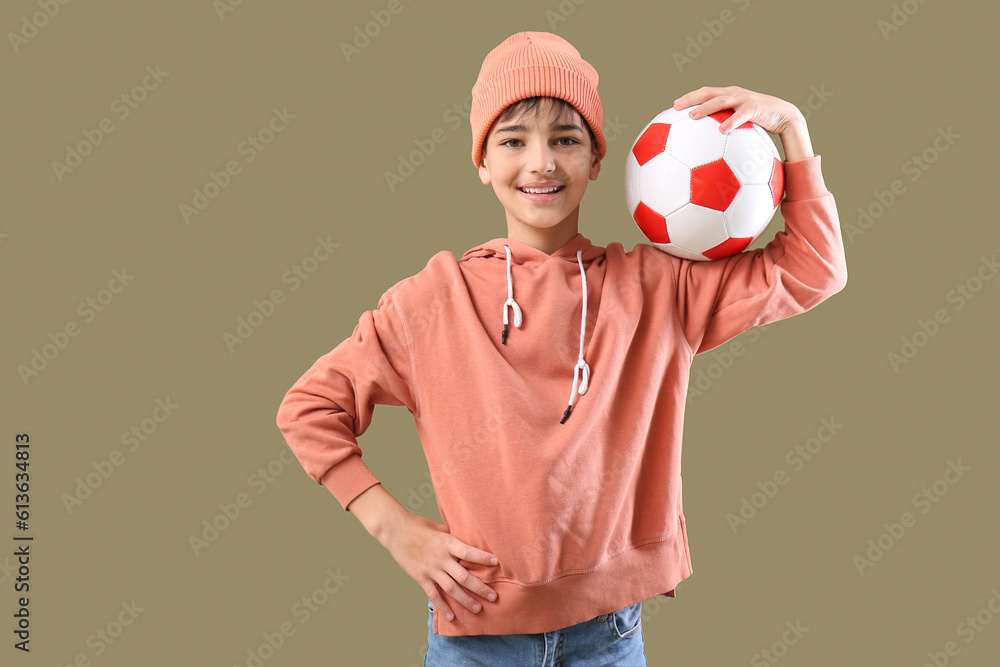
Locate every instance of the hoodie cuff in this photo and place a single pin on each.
(804, 179)
(349, 479)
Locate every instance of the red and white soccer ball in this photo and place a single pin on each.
(700, 194)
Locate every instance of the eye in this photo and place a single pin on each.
(571, 140)
(507, 143)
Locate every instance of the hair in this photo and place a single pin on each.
(531, 104)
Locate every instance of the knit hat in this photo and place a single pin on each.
(527, 64)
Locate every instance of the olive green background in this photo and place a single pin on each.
(884, 100)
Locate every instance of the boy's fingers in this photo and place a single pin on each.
(442, 606)
(467, 580)
(684, 101)
(711, 106)
(472, 554)
(451, 587)
(694, 97)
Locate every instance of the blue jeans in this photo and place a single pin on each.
(609, 640)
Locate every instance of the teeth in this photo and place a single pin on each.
(541, 191)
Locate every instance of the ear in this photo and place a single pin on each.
(595, 166)
(484, 171)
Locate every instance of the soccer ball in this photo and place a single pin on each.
(700, 194)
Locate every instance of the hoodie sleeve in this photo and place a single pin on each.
(802, 266)
(332, 404)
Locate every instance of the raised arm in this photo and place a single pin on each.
(802, 266)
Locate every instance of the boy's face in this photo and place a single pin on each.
(543, 151)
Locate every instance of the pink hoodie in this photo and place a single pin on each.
(584, 512)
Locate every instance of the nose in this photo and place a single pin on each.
(541, 158)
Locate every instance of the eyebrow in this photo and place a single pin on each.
(554, 127)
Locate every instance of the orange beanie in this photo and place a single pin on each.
(527, 64)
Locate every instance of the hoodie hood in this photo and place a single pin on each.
(578, 250)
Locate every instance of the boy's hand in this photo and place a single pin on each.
(429, 554)
(773, 114)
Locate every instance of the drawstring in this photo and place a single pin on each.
(579, 387)
(581, 365)
(509, 302)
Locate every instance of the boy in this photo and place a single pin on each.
(560, 516)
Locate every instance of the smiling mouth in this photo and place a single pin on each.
(542, 191)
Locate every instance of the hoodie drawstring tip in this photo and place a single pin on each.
(566, 414)
(503, 335)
